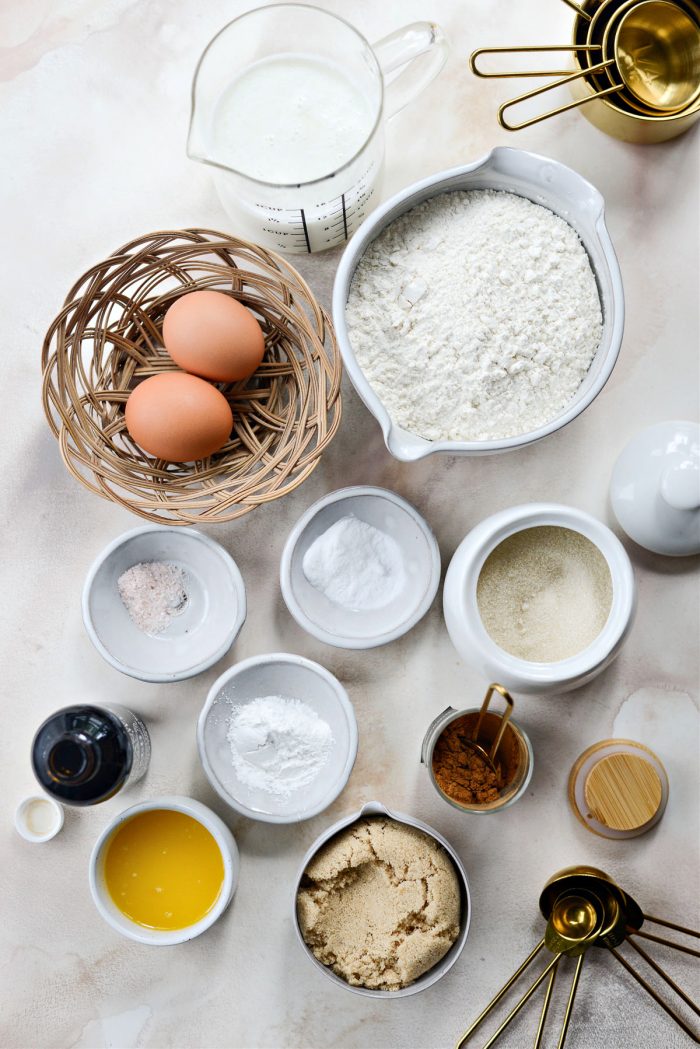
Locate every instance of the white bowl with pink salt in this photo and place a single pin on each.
(163, 604)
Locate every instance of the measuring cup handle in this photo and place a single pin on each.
(549, 87)
(423, 47)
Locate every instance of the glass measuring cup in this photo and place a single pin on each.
(305, 216)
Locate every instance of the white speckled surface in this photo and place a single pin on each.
(94, 106)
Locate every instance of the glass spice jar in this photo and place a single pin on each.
(459, 772)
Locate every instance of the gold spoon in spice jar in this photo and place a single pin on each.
(489, 756)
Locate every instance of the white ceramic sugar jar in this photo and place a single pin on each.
(469, 635)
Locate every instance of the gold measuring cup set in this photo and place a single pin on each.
(637, 68)
(584, 907)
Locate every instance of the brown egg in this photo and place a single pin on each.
(211, 334)
(178, 417)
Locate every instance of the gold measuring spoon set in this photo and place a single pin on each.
(584, 908)
(640, 58)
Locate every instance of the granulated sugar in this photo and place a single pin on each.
(544, 594)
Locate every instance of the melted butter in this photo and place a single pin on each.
(163, 869)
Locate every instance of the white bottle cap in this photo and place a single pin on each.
(38, 818)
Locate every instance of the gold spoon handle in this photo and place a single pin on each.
(671, 925)
(650, 990)
(664, 976)
(666, 943)
(523, 1001)
(496, 999)
(561, 109)
(570, 1003)
(505, 694)
(525, 49)
(545, 1008)
(579, 10)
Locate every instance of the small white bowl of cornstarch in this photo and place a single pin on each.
(277, 737)
(482, 308)
(539, 597)
(163, 603)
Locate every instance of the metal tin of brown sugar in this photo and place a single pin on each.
(515, 758)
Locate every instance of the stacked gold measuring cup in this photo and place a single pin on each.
(584, 907)
(636, 68)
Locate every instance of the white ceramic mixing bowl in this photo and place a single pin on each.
(545, 182)
(292, 677)
(469, 635)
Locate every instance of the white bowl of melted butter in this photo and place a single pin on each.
(171, 868)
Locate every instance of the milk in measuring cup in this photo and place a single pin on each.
(292, 121)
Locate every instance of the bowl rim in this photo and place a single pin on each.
(341, 696)
(229, 854)
(381, 217)
(377, 808)
(213, 547)
(461, 581)
(287, 558)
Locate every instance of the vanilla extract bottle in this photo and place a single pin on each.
(85, 754)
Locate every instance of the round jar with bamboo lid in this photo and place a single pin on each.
(618, 788)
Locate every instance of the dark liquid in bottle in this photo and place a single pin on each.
(82, 755)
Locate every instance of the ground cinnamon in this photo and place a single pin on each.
(460, 771)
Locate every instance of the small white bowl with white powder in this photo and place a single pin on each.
(360, 568)
(277, 738)
(163, 603)
(482, 308)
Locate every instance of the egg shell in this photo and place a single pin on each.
(178, 417)
(211, 334)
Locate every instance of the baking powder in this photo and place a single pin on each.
(355, 565)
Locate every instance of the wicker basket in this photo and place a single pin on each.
(107, 338)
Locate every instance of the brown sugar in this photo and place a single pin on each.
(379, 904)
(461, 772)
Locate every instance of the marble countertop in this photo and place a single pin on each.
(95, 98)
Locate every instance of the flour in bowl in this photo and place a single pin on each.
(475, 316)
